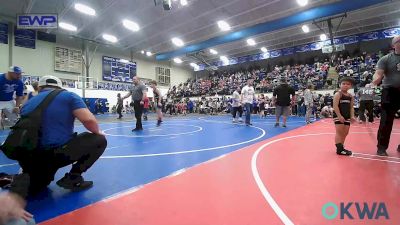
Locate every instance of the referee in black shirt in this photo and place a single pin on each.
(138, 92)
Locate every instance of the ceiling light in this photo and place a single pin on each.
(149, 54)
(305, 29)
(85, 9)
(302, 2)
(130, 25)
(224, 26)
(251, 42)
(142, 52)
(110, 38)
(67, 26)
(178, 42)
(323, 37)
(214, 52)
(264, 49)
(184, 2)
(178, 60)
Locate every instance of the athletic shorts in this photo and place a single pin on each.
(157, 107)
(346, 121)
(282, 110)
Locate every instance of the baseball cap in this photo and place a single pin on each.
(50, 81)
(15, 69)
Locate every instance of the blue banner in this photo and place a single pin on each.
(303, 48)
(288, 51)
(265, 55)
(25, 38)
(275, 54)
(389, 33)
(27, 34)
(242, 59)
(316, 46)
(370, 36)
(350, 40)
(233, 61)
(43, 36)
(3, 33)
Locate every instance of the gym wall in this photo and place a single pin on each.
(40, 61)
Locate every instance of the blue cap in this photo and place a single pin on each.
(15, 69)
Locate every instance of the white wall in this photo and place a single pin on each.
(40, 61)
(3, 58)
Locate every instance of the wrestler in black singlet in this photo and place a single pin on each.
(344, 108)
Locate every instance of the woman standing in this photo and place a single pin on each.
(157, 100)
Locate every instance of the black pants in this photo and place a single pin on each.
(369, 106)
(39, 168)
(119, 111)
(138, 114)
(235, 110)
(390, 104)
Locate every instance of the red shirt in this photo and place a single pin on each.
(146, 103)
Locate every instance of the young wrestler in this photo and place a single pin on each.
(343, 114)
(157, 101)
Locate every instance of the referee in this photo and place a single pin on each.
(366, 96)
(139, 93)
(388, 73)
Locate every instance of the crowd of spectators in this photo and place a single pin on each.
(225, 82)
(360, 67)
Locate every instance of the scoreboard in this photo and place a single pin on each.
(119, 70)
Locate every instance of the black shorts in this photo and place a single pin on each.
(347, 122)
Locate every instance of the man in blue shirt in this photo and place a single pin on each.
(11, 83)
(59, 146)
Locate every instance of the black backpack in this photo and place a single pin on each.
(23, 138)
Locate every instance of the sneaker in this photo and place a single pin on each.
(240, 120)
(74, 183)
(284, 125)
(137, 129)
(344, 152)
(276, 125)
(234, 120)
(382, 153)
(249, 124)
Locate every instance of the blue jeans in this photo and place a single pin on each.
(248, 107)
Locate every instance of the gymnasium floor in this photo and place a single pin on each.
(207, 170)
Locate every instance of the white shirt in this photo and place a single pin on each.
(235, 99)
(248, 94)
(308, 98)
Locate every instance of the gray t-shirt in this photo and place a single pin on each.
(137, 91)
(366, 94)
(391, 65)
